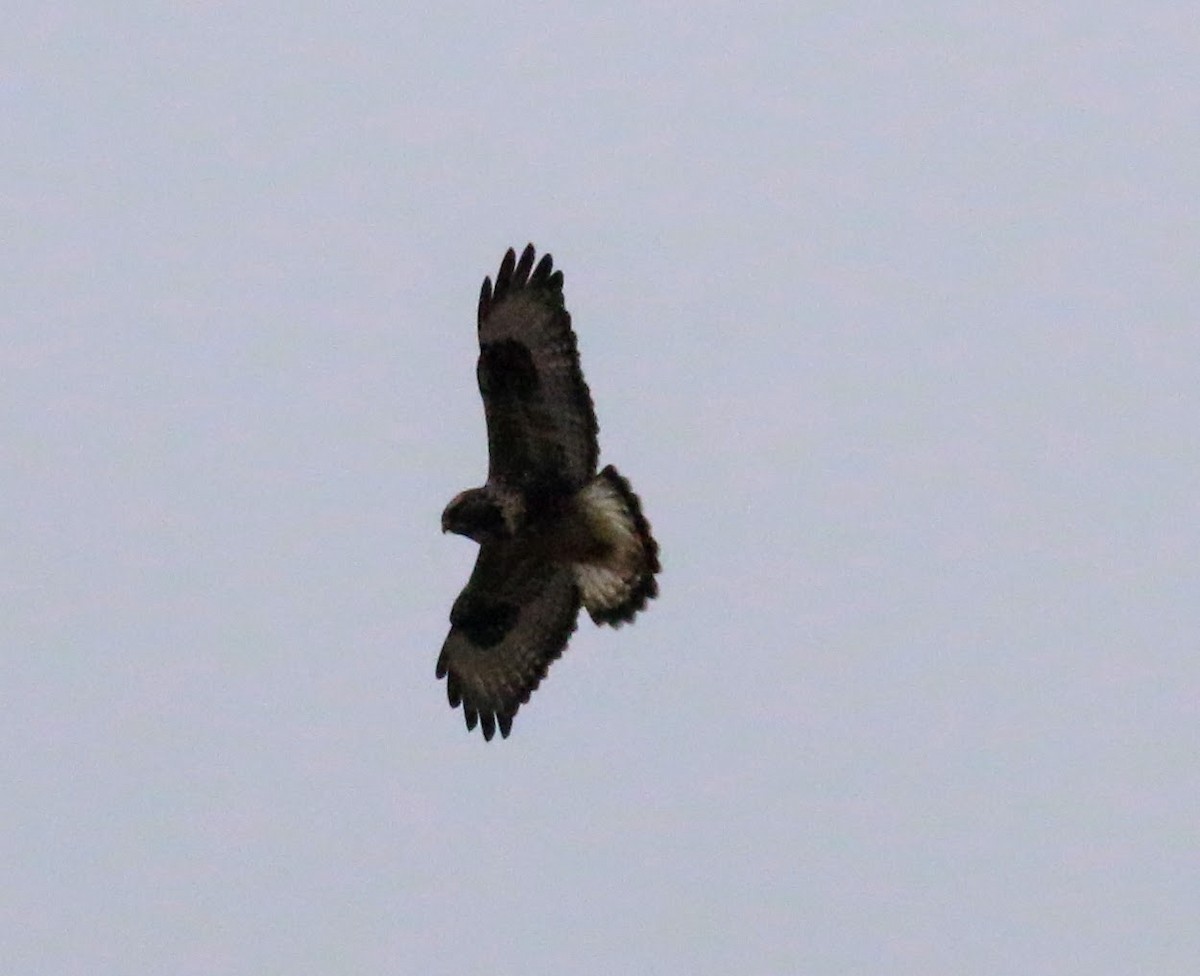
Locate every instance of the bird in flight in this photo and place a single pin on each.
(553, 533)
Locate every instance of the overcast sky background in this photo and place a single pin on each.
(890, 315)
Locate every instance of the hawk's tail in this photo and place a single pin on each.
(617, 584)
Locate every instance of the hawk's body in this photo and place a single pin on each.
(553, 533)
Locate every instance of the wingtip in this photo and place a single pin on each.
(517, 273)
(524, 266)
(504, 275)
(485, 300)
(487, 722)
(542, 272)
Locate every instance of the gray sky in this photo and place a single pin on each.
(889, 312)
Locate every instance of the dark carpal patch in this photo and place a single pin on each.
(506, 368)
(486, 623)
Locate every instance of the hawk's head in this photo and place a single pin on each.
(478, 514)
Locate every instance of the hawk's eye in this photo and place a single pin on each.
(474, 515)
(483, 515)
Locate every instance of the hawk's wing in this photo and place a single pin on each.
(510, 622)
(541, 425)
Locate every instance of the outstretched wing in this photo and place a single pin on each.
(541, 424)
(511, 621)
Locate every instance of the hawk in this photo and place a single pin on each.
(553, 533)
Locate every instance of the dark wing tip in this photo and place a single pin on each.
(542, 272)
(488, 719)
(521, 274)
(485, 301)
(505, 275)
(517, 273)
(487, 722)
